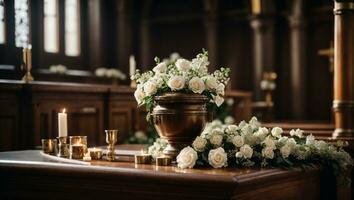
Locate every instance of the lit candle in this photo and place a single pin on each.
(132, 65)
(62, 124)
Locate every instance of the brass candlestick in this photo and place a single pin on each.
(111, 139)
(63, 147)
(27, 63)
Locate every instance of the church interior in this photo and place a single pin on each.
(68, 64)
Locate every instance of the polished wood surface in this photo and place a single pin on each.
(27, 174)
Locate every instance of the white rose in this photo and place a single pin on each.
(231, 129)
(150, 88)
(291, 143)
(268, 153)
(238, 141)
(220, 89)
(285, 151)
(269, 143)
(160, 68)
(229, 120)
(242, 124)
(216, 139)
(310, 140)
(239, 155)
(276, 132)
(199, 144)
(211, 82)
(139, 94)
(218, 100)
(217, 158)
(183, 65)
(321, 145)
(297, 132)
(261, 133)
(176, 83)
(254, 123)
(246, 151)
(196, 85)
(246, 130)
(187, 158)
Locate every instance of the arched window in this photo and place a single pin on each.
(72, 28)
(21, 23)
(51, 26)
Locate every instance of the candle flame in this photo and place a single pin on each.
(64, 110)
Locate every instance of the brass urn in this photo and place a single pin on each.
(179, 118)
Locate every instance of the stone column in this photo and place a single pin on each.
(211, 28)
(298, 59)
(124, 32)
(263, 50)
(262, 23)
(343, 102)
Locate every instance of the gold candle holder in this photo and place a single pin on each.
(96, 154)
(111, 139)
(49, 146)
(63, 147)
(77, 151)
(142, 159)
(27, 63)
(163, 161)
(78, 146)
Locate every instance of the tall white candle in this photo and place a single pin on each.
(62, 124)
(132, 65)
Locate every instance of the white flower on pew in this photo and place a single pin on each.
(187, 158)
(217, 158)
(297, 132)
(199, 144)
(216, 137)
(285, 151)
(268, 152)
(310, 140)
(246, 151)
(276, 132)
(238, 141)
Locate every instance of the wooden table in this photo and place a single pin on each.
(30, 175)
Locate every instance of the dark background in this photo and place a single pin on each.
(111, 30)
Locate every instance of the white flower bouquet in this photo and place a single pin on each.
(182, 76)
(249, 145)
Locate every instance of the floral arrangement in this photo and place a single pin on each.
(110, 73)
(58, 69)
(157, 148)
(142, 137)
(250, 145)
(181, 75)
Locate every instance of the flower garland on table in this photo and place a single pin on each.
(250, 145)
(182, 76)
